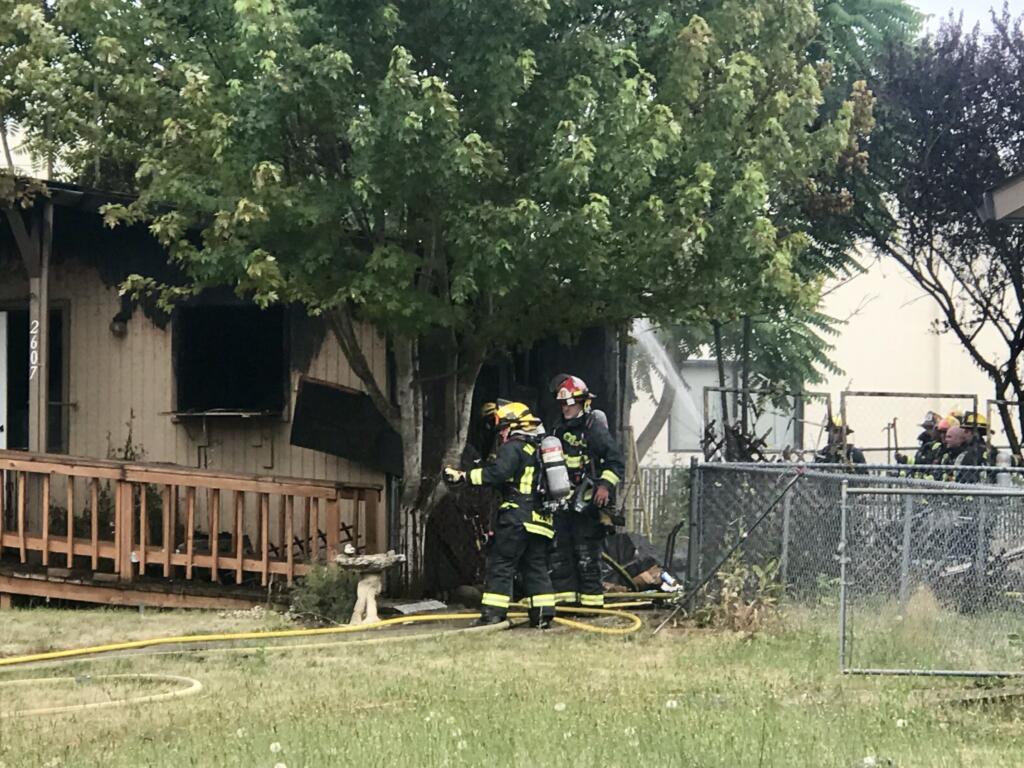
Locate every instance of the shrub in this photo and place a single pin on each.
(326, 595)
(747, 598)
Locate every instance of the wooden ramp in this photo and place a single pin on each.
(147, 593)
(125, 533)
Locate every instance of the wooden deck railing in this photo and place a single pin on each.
(165, 520)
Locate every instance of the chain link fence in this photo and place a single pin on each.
(933, 578)
(934, 571)
(883, 424)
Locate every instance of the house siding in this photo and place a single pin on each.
(119, 384)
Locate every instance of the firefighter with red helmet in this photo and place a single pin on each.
(523, 530)
(596, 467)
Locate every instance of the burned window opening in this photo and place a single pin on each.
(230, 358)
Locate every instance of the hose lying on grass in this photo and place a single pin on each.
(191, 688)
(633, 623)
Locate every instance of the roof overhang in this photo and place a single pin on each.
(1004, 203)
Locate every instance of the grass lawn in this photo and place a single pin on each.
(516, 698)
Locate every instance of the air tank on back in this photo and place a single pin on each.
(555, 472)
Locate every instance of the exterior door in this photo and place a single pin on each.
(3, 380)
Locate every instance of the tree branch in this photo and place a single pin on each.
(340, 321)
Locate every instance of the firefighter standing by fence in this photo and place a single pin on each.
(954, 440)
(596, 467)
(929, 446)
(522, 530)
(840, 448)
(976, 451)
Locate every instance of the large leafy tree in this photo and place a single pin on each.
(468, 176)
(952, 125)
(781, 347)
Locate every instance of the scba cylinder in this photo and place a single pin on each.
(555, 472)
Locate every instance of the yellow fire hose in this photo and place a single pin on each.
(633, 624)
(193, 686)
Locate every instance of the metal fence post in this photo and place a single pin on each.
(908, 518)
(842, 576)
(693, 540)
(787, 507)
(981, 545)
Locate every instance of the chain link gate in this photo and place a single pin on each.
(932, 580)
(922, 576)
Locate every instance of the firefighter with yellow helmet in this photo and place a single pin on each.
(596, 467)
(523, 530)
(840, 448)
(976, 451)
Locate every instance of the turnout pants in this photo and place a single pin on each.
(576, 559)
(513, 550)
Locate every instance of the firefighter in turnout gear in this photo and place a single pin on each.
(840, 448)
(595, 467)
(930, 443)
(976, 451)
(523, 530)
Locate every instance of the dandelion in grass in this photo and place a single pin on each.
(671, 704)
(567, 735)
(901, 723)
(449, 719)
(240, 733)
(630, 731)
(461, 745)
(560, 706)
(456, 732)
(280, 765)
(275, 747)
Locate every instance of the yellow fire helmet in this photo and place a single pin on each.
(515, 416)
(838, 426)
(976, 421)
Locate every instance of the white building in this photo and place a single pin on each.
(888, 344)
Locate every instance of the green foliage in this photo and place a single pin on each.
(325, 596)
(854, 32)
(747, 596)
(443, 166)
(790, 344)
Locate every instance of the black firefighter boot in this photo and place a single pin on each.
(540, 618)
(489, 615)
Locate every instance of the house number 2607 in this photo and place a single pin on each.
(33, 349)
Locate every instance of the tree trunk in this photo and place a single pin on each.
(727, 438)
(653, 427)
(8, 157)
(1009, 427)
(420, 494)
(745, 376)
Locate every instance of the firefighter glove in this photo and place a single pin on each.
(453, 476)
(601, 495)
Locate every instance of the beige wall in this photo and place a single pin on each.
(886, 345)
(116, 381)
